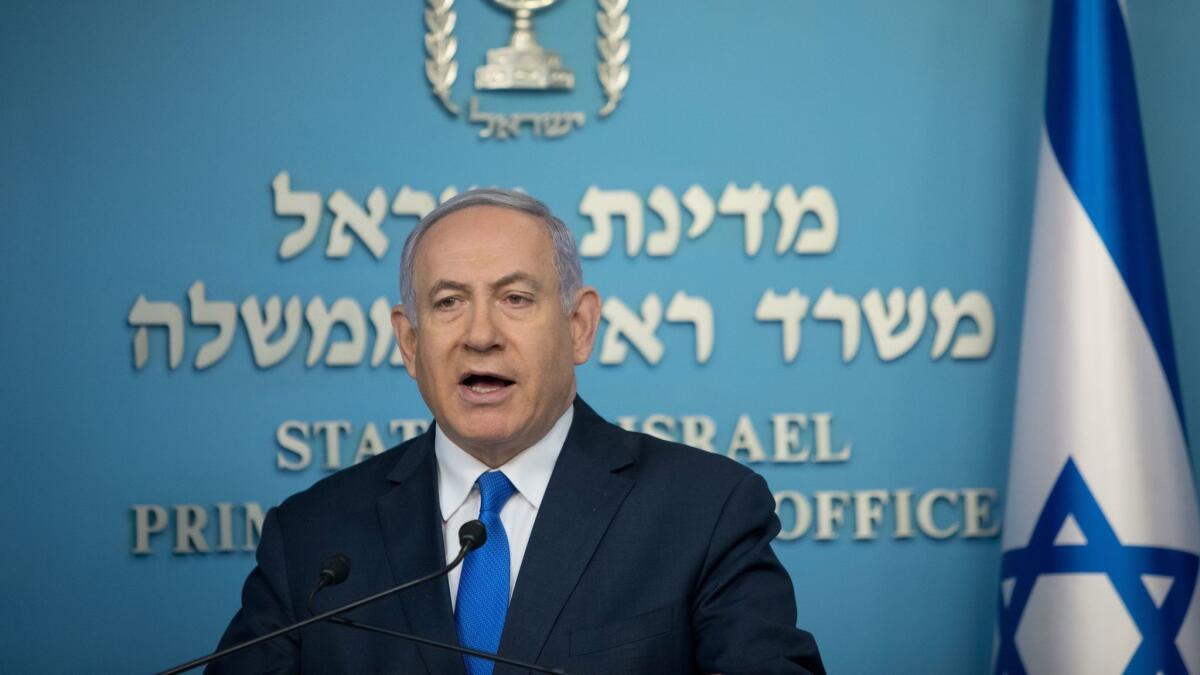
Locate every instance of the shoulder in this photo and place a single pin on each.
(657, 456)
(355, 487)
(661, 461)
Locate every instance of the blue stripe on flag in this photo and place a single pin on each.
(1096, 132)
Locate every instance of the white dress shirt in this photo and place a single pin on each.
(458, 495)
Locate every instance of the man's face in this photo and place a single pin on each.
(494, 351)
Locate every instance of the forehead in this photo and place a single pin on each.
(484, 240)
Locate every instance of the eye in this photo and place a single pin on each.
(448, 302)
(518, 300)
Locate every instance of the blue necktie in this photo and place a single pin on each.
(482, 600)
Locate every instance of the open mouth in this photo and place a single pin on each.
(484, 383)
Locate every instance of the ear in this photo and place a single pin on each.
(406, 337)
(585, 318)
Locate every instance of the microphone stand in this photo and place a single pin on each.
(196, 663)
(442, 645)
(331, 578)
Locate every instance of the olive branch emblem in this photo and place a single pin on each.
(440, 46)
(441, 69)
(613, 23)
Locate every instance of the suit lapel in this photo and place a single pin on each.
(581, 499)
(412, 534)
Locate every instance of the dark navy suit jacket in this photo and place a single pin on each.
(646, 557)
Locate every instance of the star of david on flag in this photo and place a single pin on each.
(1102, 531)
(1072, 536)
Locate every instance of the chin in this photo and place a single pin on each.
(487, 433)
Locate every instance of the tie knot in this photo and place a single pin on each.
(494, 491)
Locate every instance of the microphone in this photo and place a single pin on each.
(334, 571)
(475, 537)
(471, 536)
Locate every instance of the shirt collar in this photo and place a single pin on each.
(529, 471)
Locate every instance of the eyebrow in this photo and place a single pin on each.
(514, 278)
(448, 285)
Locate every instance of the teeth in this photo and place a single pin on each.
(479, 389)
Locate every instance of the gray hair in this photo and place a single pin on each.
(566, 255)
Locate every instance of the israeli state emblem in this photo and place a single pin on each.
(524, 65)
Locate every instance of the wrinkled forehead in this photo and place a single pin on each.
(479, 242)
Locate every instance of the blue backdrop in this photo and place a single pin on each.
(141, 142)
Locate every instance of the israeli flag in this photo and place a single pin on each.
(1102, 532)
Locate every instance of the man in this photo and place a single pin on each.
(607, 551)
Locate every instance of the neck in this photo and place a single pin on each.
(496, 455)
(494, 460)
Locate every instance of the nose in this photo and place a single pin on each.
(482, 334)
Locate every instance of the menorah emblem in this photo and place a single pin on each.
(523, 64)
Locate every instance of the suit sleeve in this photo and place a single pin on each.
(265, 607)
(744, 613)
